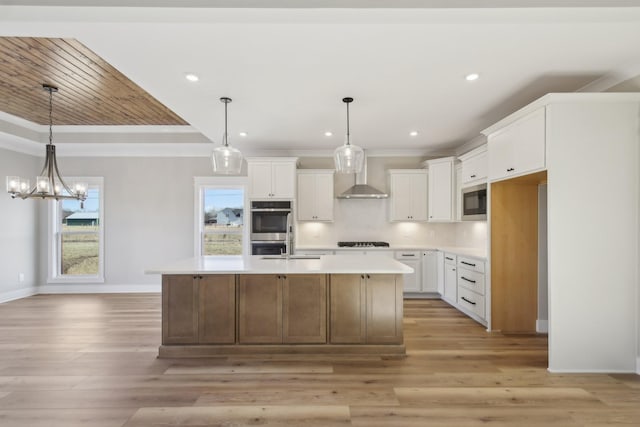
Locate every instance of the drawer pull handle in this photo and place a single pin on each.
(510, 170)
(467, 263)
(468, 280)
(470, 302)
(450, 259)
(473, 176)
(408, 255)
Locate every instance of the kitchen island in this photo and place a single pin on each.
(252, 305)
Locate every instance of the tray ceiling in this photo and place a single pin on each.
(91, 92)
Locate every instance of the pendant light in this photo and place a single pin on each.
(226, 159)
(348, 158)
(49, 184)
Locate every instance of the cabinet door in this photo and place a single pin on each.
(283, 184)
(306, 197)
(179, 309)
(450, 283)
(347, 309)
(519, 148)
(401, 203)
(500, 156)
(384, 309)
(259, 180)
(304, 313)
(441, 191)
(259, 309)
(418, 196)
(529, 150)
(474, 168)
(412, 281)
(324, 197)
(217, 318)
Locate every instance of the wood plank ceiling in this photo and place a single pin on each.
(91, 91)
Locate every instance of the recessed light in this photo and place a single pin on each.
(243, 134)
(473, 76)
(328, 133)
(191, 77)
(413, 133)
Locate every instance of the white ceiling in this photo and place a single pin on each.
(288, 69)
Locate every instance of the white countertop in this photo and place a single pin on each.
(480, 253)
(327, 264)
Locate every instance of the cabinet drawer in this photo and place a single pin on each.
(471, 264)
(450, 258)
(471, 301)
(471, 280)
(407, 255)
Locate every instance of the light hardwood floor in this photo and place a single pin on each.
(90, 360)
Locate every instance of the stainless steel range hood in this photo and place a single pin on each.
(361, 190)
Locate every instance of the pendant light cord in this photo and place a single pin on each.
(50, 116)
(348, 142)
(226, 135)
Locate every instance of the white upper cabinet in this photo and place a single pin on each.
(518, 148)
(315, 195)
(272, 178)
(408, 194)
(474, 166)
(441, 189)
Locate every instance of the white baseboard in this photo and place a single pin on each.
(590, 371)
(74, 288)
(542, 326)
(17, 294)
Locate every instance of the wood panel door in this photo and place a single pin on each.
(347, 309)
(179, 309)
(514, 254)
(384, 309)
(217, 310)
(260, 309)
(304, 312)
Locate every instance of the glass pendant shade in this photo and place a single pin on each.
(348, 158)
(225, 159)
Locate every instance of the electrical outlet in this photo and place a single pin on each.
(21, 277)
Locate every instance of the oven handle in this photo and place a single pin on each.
(271, 210)
(269, 242)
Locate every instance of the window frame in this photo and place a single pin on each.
(54, 274)
(215, 182)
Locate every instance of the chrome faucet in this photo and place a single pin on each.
(289, 238)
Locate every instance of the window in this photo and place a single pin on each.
(220, 216)
(76, 241)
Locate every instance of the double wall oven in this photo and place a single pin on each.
(269, 226)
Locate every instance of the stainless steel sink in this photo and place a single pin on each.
(290, 257)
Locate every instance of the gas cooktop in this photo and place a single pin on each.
(363, 244)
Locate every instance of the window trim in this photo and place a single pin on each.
(217, 182)
(53, 272)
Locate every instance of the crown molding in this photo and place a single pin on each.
(611, 79)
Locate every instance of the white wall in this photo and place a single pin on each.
(148, 216)
(593, 191)
(19, 230)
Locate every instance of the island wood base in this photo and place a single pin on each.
(187, 351)
(220, 314)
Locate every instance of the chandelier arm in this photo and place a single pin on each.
(57, 172)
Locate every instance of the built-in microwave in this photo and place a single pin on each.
(269, 220)
(474, 203)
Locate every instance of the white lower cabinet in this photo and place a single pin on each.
(450, 278)
(412, 281)
(464, 285)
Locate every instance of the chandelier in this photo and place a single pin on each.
(49, 184)
(226, 159)
(348, 158)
